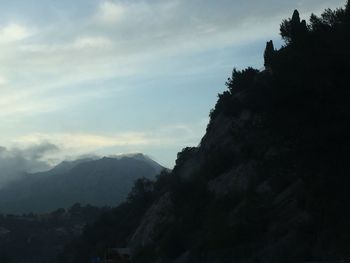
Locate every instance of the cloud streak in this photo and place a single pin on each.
(86, 142)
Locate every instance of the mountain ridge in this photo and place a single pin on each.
(101, 182)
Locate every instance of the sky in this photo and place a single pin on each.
(103, 77)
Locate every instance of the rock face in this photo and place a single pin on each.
(158, 214)
(237, 180)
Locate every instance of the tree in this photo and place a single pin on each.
(241, 80)
(268, 54)
(142, 189)
(285, 30)
(293, 30)
(184, 155)
(347, 12)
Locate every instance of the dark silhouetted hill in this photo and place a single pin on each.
(41, 237)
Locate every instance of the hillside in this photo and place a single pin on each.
(40, 237)
(269, 181)
(101, 182)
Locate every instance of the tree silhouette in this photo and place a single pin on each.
(293, 30)
(268, 54)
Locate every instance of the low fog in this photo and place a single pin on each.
(15, 162)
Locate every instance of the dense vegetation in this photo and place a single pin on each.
(285, 130)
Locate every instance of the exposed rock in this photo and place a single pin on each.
(264, 187)
(159, 213)
(218, 133)
(237, 180)
(290, 193)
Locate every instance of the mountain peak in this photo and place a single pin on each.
(104, 181)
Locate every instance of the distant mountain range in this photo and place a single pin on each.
(99, 182)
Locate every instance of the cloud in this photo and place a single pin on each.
(110, 12)
(87, 142)
(75, 144)
(57, 58)
(120, 39)
(13, 32)
(3, 80)
(14, 162)
(40, 151)
(92, 42)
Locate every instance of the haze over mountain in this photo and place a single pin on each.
(101, 182)
(15, 162)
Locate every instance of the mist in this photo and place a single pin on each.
(15, 161)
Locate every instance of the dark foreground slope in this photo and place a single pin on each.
(269, 181)
(33, 238)
(101, 182)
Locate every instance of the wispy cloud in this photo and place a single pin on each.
(121, 38)
(86, 142)
(75, 144)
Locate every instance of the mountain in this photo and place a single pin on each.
(269, 181)
(100, 182)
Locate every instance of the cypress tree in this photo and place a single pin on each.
(268, 54)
